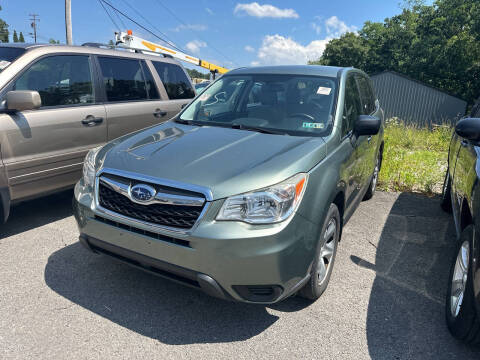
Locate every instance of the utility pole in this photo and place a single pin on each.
(34, 19)
(68, 21)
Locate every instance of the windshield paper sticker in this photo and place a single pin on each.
(324, 90)
(4, 64)
(313, 125)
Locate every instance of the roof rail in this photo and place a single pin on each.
(120, 47)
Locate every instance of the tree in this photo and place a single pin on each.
(110, 42)
(15, 36)
(21, 38)
(197, 74)
(349, 50)
(3, 30)
(437, 44)
(53, 41)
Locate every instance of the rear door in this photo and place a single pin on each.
(177, 85)
(43, 150)
(132, 98)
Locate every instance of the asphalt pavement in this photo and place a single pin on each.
(385, 299)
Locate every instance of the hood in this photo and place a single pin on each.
(227, 161)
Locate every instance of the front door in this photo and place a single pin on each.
(43, 150)
(352, 170)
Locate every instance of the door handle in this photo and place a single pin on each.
(91, 120)
(369, 139)
(464, 142)
(159, 113)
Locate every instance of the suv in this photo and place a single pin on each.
(461, 195)
(245, 193)
(58, 102)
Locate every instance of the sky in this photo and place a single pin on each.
(227, 33)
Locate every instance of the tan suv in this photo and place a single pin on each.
(57, 102)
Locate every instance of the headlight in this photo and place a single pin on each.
(89, 166)
(270, 205)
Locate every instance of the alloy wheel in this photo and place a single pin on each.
(327, 251)
(375, 177)
(459, 278)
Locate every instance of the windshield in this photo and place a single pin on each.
(8, 55)
(283, 104)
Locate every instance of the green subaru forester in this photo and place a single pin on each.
(243, 194)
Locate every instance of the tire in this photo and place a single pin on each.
(461, 314)
(373, 183)
(324, 256)
(446, 202)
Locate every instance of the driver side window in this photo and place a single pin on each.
(352, 106)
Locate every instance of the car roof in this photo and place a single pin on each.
(90, 48)
(21, 45)
(317, 70)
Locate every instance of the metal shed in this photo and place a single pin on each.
(414, 102)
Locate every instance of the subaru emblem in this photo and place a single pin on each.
(142, 193)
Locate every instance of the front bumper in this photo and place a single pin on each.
(226, 259)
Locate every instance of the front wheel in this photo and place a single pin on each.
(460, 311)
(324, 256)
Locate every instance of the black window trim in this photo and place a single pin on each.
(93, 71)
(353, 74)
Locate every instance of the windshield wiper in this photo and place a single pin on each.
(258, 129)
(187, 122)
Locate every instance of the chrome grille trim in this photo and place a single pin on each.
(160, 197)
(161, 182)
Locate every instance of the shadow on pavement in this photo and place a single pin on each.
(38, 212)
(405, 317)
(151, 306)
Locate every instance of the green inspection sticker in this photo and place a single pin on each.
(309, 125)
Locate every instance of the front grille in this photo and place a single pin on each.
(151, 234)
(177, 216)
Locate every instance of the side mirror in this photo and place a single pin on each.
(469, 128)
(367, 125)
(20, 100)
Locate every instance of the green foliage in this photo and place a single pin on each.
(53, 41)
(414, 159)
(438, 45)
(15, 36)
(197, 74)
(21, 38)
(4, 33)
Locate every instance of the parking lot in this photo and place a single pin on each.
(385, 299)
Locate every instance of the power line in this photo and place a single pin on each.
(138, 24)
(108, 14)
(186, 26)
(170, 41)
(120, 19)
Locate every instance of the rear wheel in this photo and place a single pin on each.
(324, 256)
(460, 311)
(373, 183)
(446, 202)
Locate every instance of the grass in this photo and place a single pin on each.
(414, 159)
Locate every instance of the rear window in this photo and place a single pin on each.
(175, 81)
(124, 80)
(8, 55)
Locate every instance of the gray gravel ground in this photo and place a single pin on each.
(385, 299)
